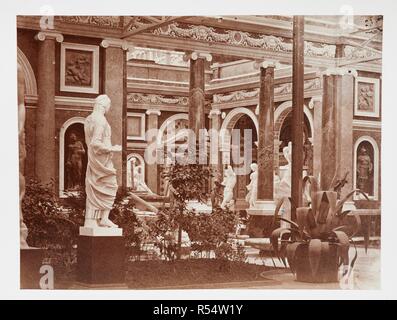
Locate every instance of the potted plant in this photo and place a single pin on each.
(318, 242)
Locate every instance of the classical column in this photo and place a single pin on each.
(45, 148)
(215, 147)
(297, 113)
(152, 176)
(337, 130)
(265, 204)
(316, 104)
(115, 86)
(196, 94)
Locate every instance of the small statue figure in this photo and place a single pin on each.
(217, 191)
(100, 182)
(252, 188)
(74, 164)
(364, 170)
(229, 182)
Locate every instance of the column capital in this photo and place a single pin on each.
(314, 100)
(198, 55)
(266, 64)
(153, 111)
(340, 71)
(116, 43)
(49, 35)
(214, 113)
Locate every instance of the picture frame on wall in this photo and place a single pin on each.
(79, 68)
(135, 126)
(367, 97)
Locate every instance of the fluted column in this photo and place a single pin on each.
(45, 148)
(152, 177)
(115, 86)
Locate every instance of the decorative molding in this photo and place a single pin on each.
(165, 57)
(156, 99)
(367, 124)
(115, 43)
(47, 35)
(352, 52)
(93, 87)
(153, 111)
(99, 21)
(74, 101)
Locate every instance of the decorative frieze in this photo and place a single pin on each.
(158, 56)
(156, 99)
(285, 88)
(99, 21)
(351, 52)
(241, 38)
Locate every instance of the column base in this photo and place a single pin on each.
(262, 208)
(31, 260)
(101, 260)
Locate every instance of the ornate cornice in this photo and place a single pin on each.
(47, 35)
(156, 99)
(116, 43)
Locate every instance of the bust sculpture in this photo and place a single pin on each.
(229, 183)
(100, 182)
(252, 188)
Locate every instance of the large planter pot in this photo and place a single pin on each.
(327, 270)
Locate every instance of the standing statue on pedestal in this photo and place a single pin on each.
(229, 182)
(22, 155)
(100, 182)
(252, 188)
(364, 170)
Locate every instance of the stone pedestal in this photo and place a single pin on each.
(101, 257)
(31, 260)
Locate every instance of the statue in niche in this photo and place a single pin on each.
(217, 191)
(23, 233)
(100, 182)
(364, 170)
(74, 163)
(229, 182)
(252, 188)
(139, 182)
(308, 156)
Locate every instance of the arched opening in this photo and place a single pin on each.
(135, 166)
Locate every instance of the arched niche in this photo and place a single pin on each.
(72, 156)
(366, 167)
(139, 161)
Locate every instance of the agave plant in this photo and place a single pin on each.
(318, 225)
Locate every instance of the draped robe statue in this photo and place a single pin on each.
(252, 188)
(229, 182)
(100, 182)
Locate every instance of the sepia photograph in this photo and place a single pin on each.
(238, 152)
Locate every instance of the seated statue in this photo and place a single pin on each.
(252, 188)
(229, 183)
(100, 182)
